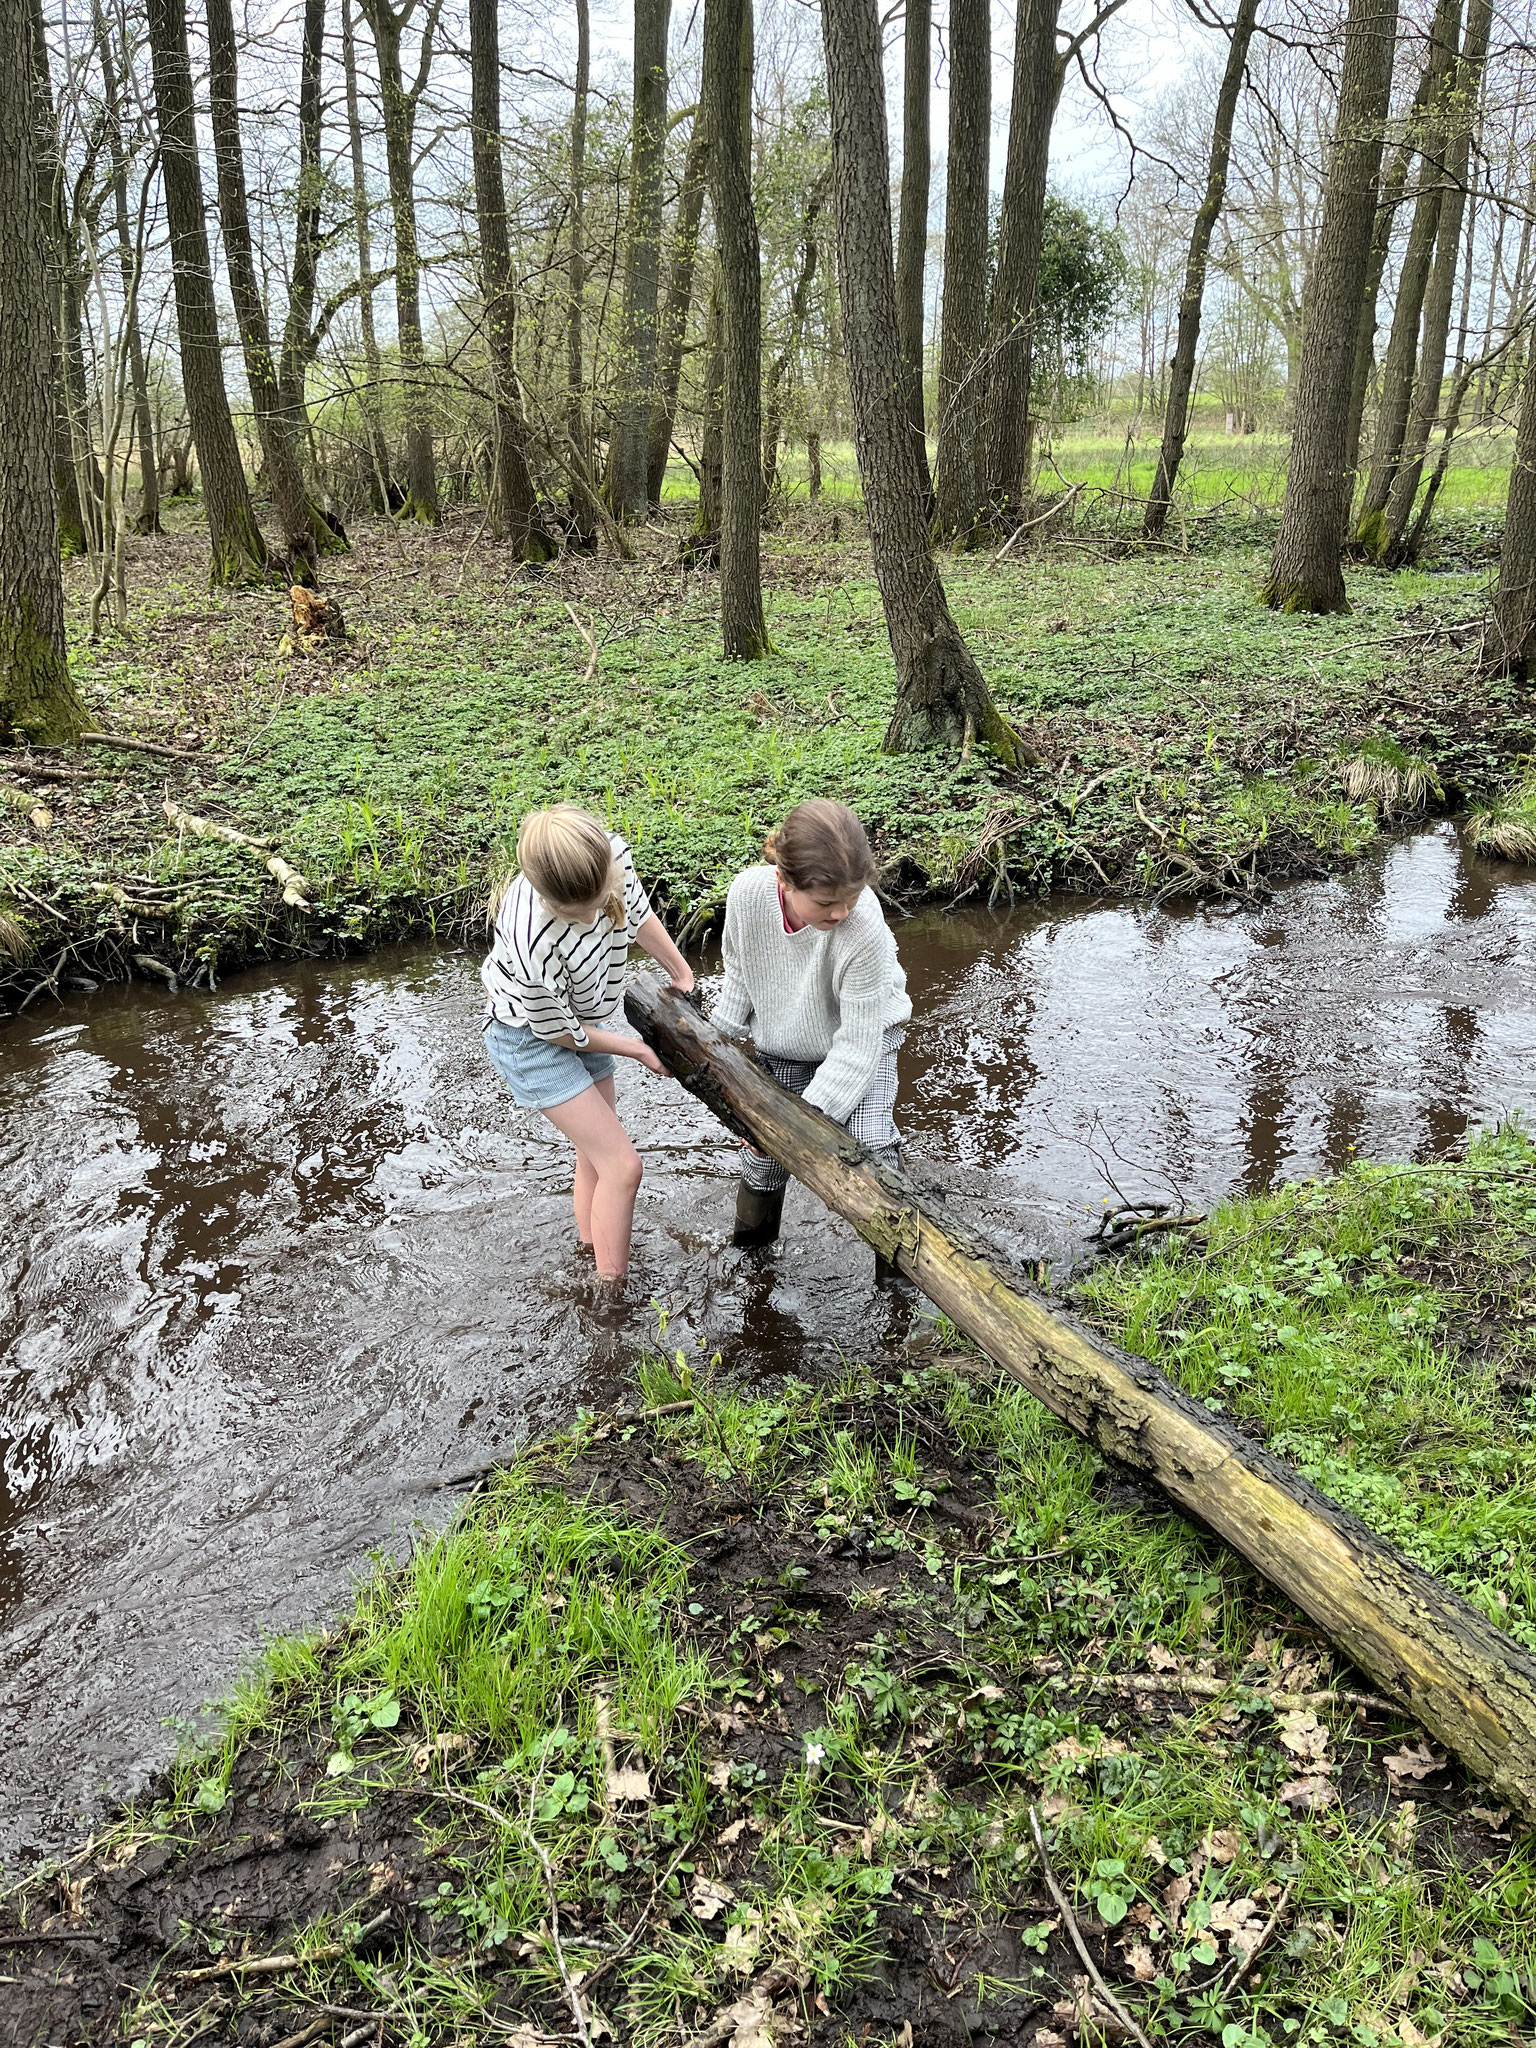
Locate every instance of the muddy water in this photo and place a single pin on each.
(275, 1262)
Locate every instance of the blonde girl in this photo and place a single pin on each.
(554, 979)
(811, 971)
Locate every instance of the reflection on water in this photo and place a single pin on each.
(274, 1262)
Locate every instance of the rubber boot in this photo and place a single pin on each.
(758, 1214)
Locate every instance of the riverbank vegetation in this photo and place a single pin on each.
(885, 1711)
(1186, 739)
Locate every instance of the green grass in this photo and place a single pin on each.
(1505, 826)
(1193, 738)
(805, 1776)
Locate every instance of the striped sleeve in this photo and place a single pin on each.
(535, 967)
(637, 905)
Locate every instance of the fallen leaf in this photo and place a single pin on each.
(1304, 1735)
(1143, 1965)
(710, 1897)
(1221, 1845)
(1154, 1852)
(1161, 1659)
(40, 818)
(628, 1783)
(749, 2017)
(1057, 1806)
(1240, 1921)
(1309, 1795)
(424, 1756)
(1176, 1896)
(720, 1773)
(1490, 1816)
(740, 1948)
(731, 1834)
(1414, 1762)
(1044, 2036)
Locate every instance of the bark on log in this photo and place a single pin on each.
(1467, 1682)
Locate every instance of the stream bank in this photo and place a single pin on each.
(1193, 741)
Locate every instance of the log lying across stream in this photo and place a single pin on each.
(1421, 1644)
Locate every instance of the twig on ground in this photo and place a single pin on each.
(518, 1827)
(1069, 1921)
(1129, 1233)
(114, 739)
(276, 1966)
(1195, 1686)
(61, 1934)
(1039, 519)
(1239, 1966)
(305, 2033)
(289, 880)
(589, 639)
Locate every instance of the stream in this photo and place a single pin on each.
(276, 1261)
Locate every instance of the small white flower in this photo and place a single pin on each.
(814, 1753)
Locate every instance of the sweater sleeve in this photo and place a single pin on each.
(732, 1010)
(846, 1074)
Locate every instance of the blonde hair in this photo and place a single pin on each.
(566, 854)
(822, 845)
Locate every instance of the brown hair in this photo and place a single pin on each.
(822, 845)
(568, 857)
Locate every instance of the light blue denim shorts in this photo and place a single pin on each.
(541, 1075)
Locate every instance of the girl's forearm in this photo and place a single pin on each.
(617, 1043)
(654, 938)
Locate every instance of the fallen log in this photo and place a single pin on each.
(1421, 1644)
(289, 880)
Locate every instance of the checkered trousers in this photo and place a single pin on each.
(872, 1122)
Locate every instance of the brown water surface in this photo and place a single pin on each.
(274, 1262)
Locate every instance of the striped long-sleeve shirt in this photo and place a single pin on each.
(558, 977)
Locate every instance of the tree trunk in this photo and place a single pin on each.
(37, 698)
(1306, 571)
(1510, 644)
(400, 105)
(513, 504)
(1440, 297)
(726, 110)
(293, 366)
(373, 419)
(1470, 1685)
(583, 526)
(799, 304)
(1397, 365)
(912, 232)
(959, 470)
(941, 694)
(1037, 77)
(706, 527)
(148, 520)
(272, 421)
(629, 446)
(239, 552)
(674, 320)
(1442, 54)
(1191, 301)
(59, 242)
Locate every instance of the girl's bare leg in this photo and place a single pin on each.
(603, 1148)
(586, 1176)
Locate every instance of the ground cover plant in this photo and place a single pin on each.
(1190, 741)
(846, 1713)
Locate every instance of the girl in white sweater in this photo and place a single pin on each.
(811, 972)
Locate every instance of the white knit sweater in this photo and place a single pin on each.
(808, 995)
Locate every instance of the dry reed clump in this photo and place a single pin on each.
(1383, 772)
(16, 943)
(1506, 827)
